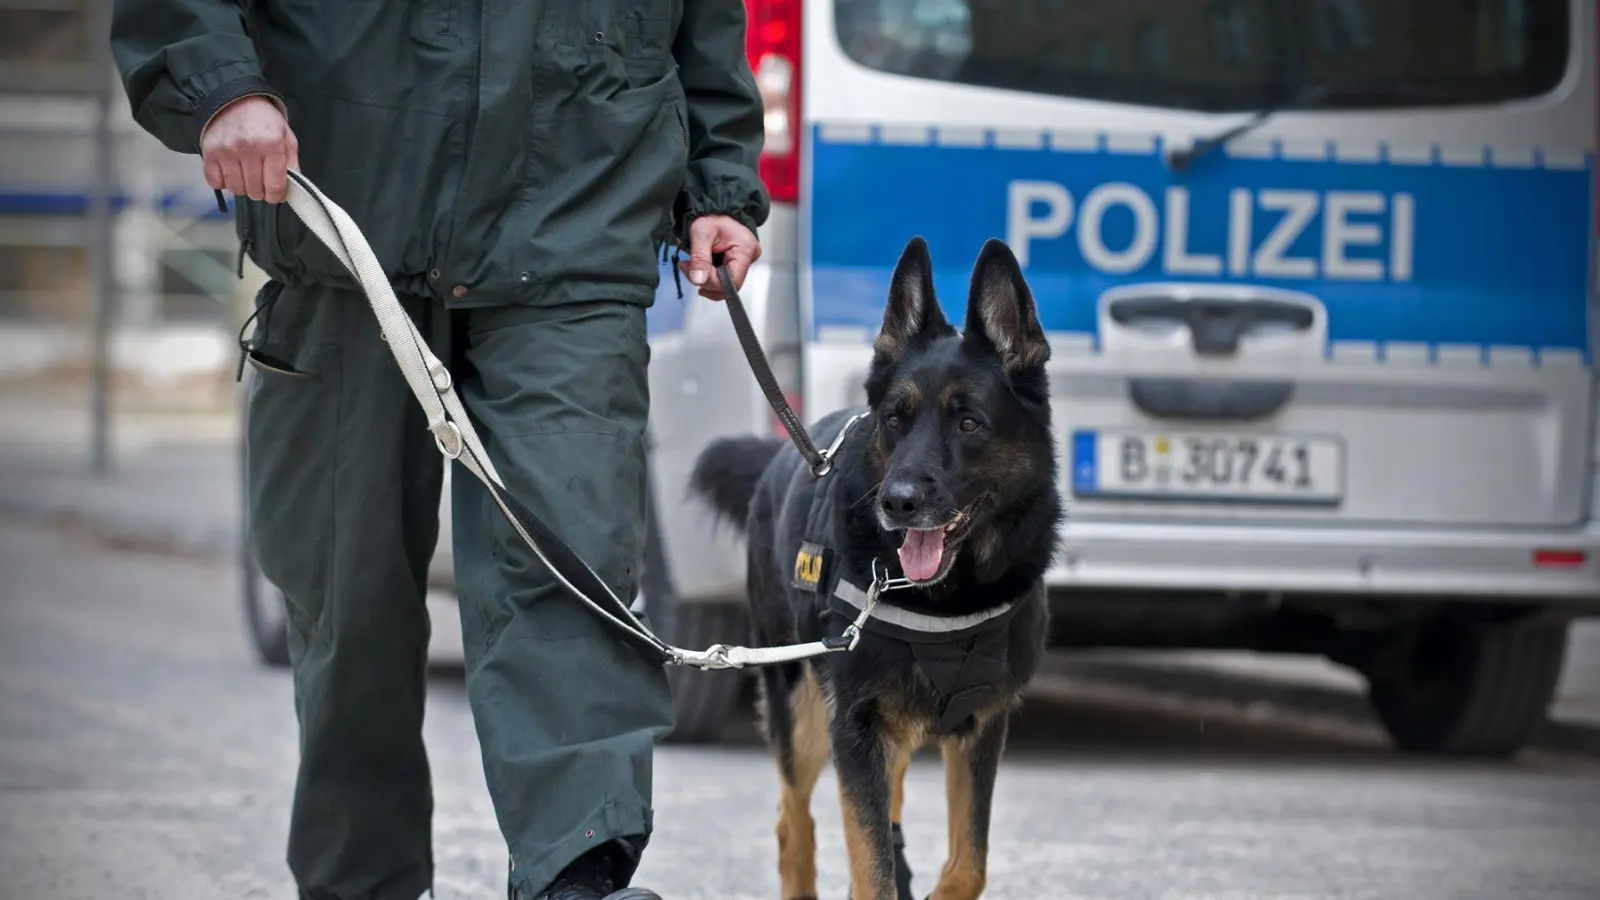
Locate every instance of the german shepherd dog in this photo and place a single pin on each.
(947, 479)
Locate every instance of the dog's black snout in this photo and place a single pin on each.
(901, 497)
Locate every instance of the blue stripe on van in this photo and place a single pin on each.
(1434, 248)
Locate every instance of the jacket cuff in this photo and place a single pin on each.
(739, 215)
(223, 94)
(738, 200)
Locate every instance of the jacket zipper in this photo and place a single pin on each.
(682, 131)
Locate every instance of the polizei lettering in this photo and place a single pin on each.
(1268, 233)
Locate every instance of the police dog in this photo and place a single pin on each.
(947, 480)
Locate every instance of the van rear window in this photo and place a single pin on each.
(1222, 55)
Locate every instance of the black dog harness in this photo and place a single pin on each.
(963, 657)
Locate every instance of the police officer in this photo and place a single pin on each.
(517, 167)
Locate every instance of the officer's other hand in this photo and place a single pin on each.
(248, 149)
(710, 235)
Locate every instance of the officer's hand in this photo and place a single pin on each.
(709, 235)
(248, 149)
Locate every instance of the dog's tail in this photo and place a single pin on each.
(726, 473)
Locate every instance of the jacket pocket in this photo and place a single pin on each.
(271, 365)
(290, 328)
(263, 350)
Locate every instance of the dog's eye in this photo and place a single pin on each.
(893, 421)
(969, 424)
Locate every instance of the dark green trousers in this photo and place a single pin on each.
(344, 488)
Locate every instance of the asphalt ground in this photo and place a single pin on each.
(145, 754)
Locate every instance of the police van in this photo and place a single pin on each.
(1318, 278)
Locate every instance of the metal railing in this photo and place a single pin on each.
(76, 172)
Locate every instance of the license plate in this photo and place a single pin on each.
(1196, 465)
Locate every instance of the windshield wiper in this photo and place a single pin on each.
(1181, 158)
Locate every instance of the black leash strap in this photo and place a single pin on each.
(762, 370)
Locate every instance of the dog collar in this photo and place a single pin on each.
(898, 617)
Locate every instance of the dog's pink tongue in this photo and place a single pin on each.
(921, 553)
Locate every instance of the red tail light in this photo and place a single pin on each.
(1559, 559)
(772, 41)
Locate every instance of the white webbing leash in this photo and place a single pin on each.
(455, 437)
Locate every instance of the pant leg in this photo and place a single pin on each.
(567, 709)
(344, 486)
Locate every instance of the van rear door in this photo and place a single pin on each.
(1301, 261)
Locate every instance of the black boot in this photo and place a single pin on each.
(593, 876)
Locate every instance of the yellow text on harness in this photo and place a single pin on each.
(810, 566)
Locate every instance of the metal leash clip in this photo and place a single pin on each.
(724, 656)
(716, 657)
(825, 465)
(885, 583)
(880, 582)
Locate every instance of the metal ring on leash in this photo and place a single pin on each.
(825, 465)
(459, 441)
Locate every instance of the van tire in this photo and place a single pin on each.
(703, 701)
(266, 615)
(268, 625)
(1464, 688)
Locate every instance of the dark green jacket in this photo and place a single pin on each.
(492, 151)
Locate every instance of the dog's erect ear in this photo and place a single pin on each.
(913, 311)
(1000, 311)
